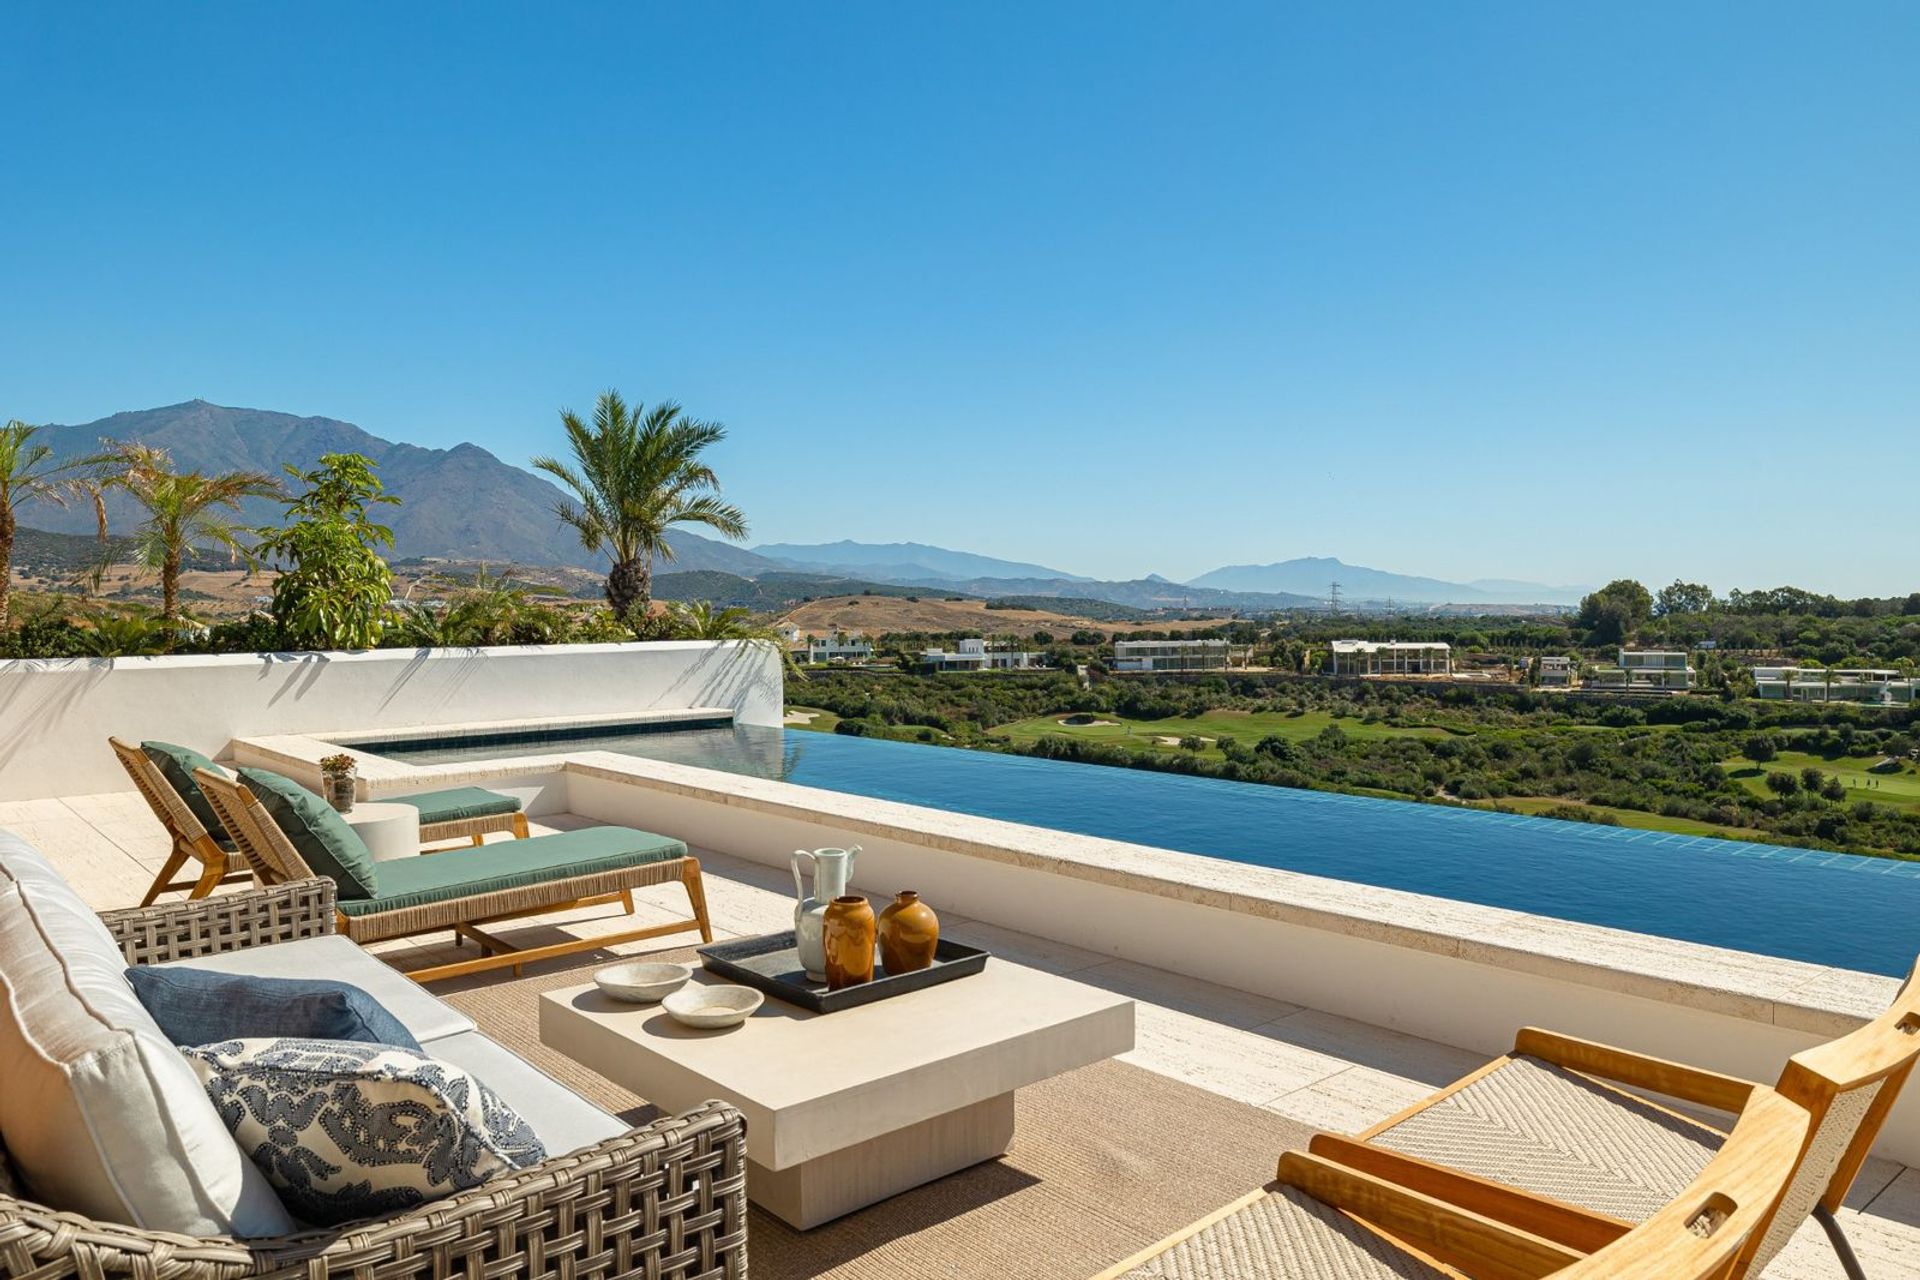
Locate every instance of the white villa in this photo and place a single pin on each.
(1646, 670)
(1554, 671)
(1871, 686)
(978, 655)
(1171, 655)
(1391, 658)
(844, 648)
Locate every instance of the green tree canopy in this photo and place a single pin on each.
(1683, 597)
(334, 589)
(1613, 613)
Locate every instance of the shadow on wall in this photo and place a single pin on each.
(28, 708)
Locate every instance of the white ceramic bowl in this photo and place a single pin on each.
(711, 1007)
(642, 981)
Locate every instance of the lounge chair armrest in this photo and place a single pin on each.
(1476, 1244)
(1655, 1075)
(223, 922)
(1563, 1224)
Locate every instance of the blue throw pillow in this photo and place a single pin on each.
(198, 1006)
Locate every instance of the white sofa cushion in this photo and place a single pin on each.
(341, 959)
(564, 1120)
(348, 1130)
(99, 1113)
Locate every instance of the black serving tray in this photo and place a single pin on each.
(772, 964)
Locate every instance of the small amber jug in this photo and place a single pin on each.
(909, 931)
(849, 942)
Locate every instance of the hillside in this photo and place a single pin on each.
(1312, 575)
(913, 562)
(880, 615)
(461, 503)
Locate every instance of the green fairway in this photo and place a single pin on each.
(1164, 735)
(1631, 817)
(811, 718)
(1900, 790)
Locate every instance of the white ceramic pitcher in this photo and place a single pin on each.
(832, 870)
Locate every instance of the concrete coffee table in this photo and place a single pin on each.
(846, 1109)
(389, 830)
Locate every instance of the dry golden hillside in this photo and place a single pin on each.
(878, 615)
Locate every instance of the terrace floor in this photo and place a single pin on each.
(1268, 1066)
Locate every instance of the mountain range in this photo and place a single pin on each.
(466, 504)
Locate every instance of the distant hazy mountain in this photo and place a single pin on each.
(901, 562)
(461, 503)
(1312, 575)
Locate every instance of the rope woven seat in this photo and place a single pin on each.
(1393, 1218)
(1541, 1128)
(1286, 1233)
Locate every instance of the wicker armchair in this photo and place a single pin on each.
(666, 1201)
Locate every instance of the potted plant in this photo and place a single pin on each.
(337, 771)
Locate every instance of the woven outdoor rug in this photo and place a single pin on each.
(1105, 1161)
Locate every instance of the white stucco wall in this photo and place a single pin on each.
(56, 714)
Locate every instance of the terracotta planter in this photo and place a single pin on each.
(909, 931)
(849, 942)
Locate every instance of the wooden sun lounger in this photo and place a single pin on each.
(1323, 1220)
(502, 882)
(1551, 1118)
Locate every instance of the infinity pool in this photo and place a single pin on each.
(1835, 909)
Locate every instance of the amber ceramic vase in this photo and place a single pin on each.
(909, 931)
(848, 933)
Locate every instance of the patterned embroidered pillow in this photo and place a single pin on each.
(346, 1130)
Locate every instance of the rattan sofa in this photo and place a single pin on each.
(666, 1201)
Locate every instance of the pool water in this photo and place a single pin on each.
(1834, 909)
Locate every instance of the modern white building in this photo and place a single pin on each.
(1171, 655)
(845, 648)
(1391, 658)
(978, 655)
(1553, 672)
(1870, 686)
(1646, 670)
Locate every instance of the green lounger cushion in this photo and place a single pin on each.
(176, 765)
(512, 864)
(331, 847)
(458, 804)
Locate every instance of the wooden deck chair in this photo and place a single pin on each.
(1556, 1118)
(466, 889)
(192, 842)
(1323, 1220)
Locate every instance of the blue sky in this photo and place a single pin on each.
(1542, 291)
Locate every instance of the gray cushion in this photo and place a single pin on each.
(422, 1014)
(176, 765)
(194, 1006)
(330, 847)
(564, 1120)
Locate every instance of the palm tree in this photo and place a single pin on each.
(27, 473)
(634, 474)
(181, 510)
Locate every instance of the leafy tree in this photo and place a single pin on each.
(334, 589)
(1783, 783)
(634, 474)
(1614, 612)
(1758, 748)
(1683, 597)
(180, 510)
(27, 473)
